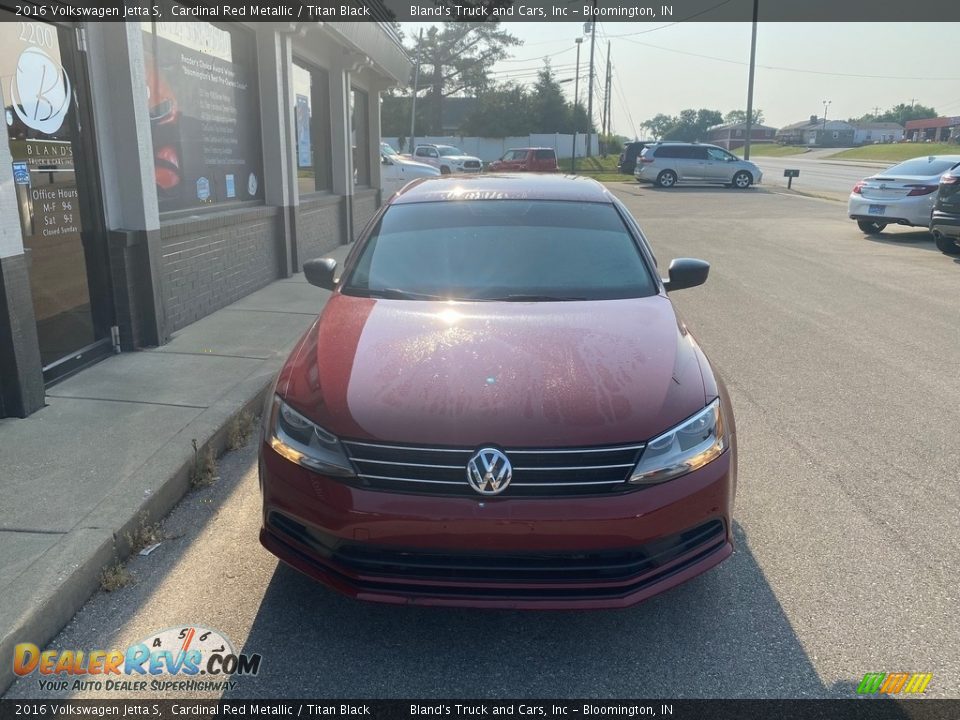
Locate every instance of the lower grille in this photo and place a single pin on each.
(536, 472)
(392, 567)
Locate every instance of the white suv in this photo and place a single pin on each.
(666, 164)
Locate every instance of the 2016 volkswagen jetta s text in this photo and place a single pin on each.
(499, 407)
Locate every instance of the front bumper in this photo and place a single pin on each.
(914, 211)
(532, 553)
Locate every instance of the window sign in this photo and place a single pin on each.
(304, 155)
(204, 114)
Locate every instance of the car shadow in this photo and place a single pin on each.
(910, 237)
(723, 634)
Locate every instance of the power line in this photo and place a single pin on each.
(543, 57)
(787, 69)
(625, 105)
(675, 22)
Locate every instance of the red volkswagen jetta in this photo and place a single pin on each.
(499, 407)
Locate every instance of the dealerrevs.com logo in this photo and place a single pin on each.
(181, 659)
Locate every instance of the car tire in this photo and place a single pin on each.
(871, 227)
(444, 170)
(667, 179)
(947, 245)
(742, 180)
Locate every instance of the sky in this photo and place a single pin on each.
(659, 68)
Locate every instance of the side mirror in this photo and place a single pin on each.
(686, 273)
(320, 271)
(385, 160)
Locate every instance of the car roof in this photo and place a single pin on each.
(950, 158)
(529, 148)
(494, 186)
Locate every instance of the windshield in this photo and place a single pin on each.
(387, 149)
(501, 250)
(449, 151)
(922, 166)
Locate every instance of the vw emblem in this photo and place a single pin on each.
(489, 471)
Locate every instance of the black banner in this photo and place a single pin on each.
(421, 709)
(205, 126)
(641, 11)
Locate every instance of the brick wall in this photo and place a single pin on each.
(365, 204)
(320, 227)
(216, 260)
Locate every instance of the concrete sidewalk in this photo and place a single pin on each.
(114, 448)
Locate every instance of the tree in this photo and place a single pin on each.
(500, 112)
(395, 115)
(659, 125)
(549, 109)
(900, 114)
(689, 126)
(457, 59)
(740, 116)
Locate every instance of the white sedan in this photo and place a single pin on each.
(397, 170)
(901, 195)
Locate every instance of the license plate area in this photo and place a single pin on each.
(877, 209)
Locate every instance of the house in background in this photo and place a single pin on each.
(868, 133)
(938, 129)
(817, 131)
(733, 135)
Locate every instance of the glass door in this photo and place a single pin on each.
(45, 105)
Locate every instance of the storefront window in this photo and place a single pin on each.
(311, 108)
(44, 94)
(204, 115)
(360, 136)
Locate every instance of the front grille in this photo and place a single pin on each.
(536, 472)
(471, 164)
(392, 569)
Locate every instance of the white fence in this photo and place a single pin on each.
(488, 149)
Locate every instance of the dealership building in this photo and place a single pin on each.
(154, 172)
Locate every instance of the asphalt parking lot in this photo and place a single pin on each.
(839, 353)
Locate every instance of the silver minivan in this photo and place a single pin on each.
(666, 164)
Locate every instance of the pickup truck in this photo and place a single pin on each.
(447, 159)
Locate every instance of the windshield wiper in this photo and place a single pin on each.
(394, 294)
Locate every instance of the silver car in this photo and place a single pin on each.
(666, 164)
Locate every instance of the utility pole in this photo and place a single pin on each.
(605, 125)
(753, 63)
(413, 101)
(593, 39)
(576, 101)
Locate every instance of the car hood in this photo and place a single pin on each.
(459, 158)
(406, 162)
(514, 374)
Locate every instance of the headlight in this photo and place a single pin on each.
(304, 442)
(687, 447)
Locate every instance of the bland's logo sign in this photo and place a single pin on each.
(40, 91)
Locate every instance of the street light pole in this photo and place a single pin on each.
(826, 104)
(576, 100)
(753, 62)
